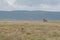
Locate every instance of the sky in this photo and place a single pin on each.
(45, 5)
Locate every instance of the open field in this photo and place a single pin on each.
(29, 30)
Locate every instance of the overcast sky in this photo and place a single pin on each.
(45, 5)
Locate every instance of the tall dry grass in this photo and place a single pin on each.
(29, 30)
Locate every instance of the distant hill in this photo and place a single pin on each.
(29, 15)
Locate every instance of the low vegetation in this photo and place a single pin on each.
(29, 30)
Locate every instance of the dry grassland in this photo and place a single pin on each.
(29, 30)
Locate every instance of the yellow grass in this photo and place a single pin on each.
(29, 30)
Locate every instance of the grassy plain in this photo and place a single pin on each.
(29, 30)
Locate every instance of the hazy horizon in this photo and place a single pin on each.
(29, 15)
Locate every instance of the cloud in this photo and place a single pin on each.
(11, 2)
(47, 5)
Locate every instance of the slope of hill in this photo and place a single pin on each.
(29, 15)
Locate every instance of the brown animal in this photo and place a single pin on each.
(22, 30)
